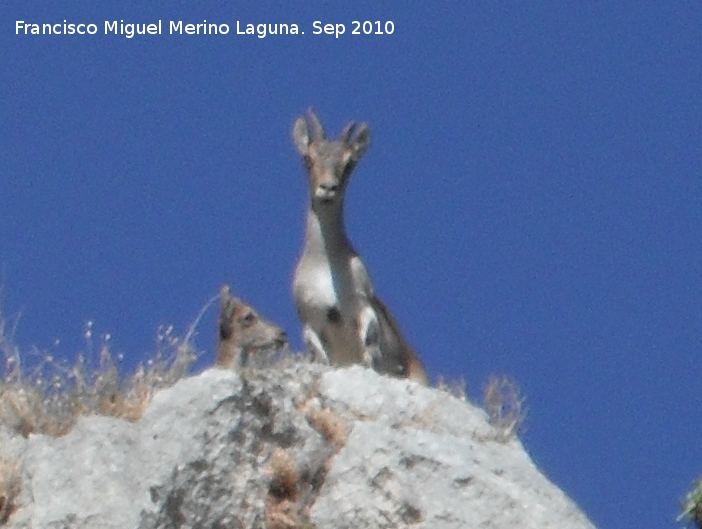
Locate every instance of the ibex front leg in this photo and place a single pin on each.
(369, 332)
(314, 345)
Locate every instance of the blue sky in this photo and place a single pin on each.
(529, 204)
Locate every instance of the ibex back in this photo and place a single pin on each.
(242, 332)
(343, 320)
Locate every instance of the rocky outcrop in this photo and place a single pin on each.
(302, 447)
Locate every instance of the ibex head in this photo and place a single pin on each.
(329, 163)
(243, 331)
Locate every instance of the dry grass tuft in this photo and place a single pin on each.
(505, 407)
(456, 388)
(10, 486)
(49, 397)
(285, 478)
(282, 514)
(332, 427)
(282, 507)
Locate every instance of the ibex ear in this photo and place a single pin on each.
(225, 312)
(301, 135)
(228, 301)
(224, 294)
(360, 143)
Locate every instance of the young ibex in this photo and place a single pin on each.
(343, 320)
(243, 332)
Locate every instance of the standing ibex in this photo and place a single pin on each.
(242, 332)
(344, 322)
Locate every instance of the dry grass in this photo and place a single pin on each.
(48, 395)
(285, 478)
(329, 424)
(332, 427)
(282, 514)
(282, 508)
(456, 388)
(505, 407)
(10, 486)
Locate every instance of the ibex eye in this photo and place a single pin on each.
(249, 318)
(308, 162)
(333, 315)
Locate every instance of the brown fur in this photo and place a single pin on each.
(242, 331)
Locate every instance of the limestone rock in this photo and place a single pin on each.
(302, 447)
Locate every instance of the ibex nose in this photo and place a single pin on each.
(327, 191)
(329, 186)
(282, 339)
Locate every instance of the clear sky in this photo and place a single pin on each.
(530, 203)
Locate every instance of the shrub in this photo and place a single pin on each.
(692, 505)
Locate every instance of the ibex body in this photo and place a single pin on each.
(344, 322)
(243, 332)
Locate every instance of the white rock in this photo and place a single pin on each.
(201, 457)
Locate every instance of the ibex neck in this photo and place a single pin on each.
(325, 231)
(228, 352)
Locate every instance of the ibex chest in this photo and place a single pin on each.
(324, 287)
(329, 297)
